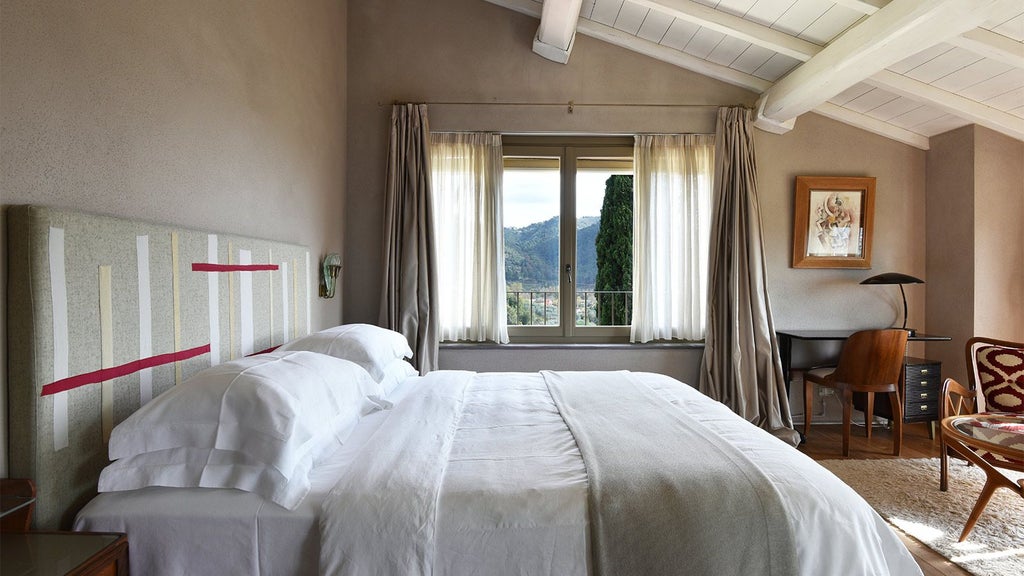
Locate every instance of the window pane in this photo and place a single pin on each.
(531, 190)
(604, 242)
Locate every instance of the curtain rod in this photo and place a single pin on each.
(570, 105)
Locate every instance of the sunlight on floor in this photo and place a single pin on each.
(989, 555)
(922, 532)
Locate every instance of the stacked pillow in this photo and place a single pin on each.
(259, 423)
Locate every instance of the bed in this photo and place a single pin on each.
(374, 470)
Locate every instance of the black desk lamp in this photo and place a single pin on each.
(896, 278)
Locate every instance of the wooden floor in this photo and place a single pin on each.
(825, 442)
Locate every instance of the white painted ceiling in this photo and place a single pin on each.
(905, 69)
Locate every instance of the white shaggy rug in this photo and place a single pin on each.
(906, 493)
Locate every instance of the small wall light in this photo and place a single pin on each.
(329, 268)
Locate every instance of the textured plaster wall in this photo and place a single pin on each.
(998, 235)
(226, 116)
(950, 230)
(976, 244)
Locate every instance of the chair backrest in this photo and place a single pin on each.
(872, 358)
(996, 371)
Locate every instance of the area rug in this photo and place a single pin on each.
(906, 493)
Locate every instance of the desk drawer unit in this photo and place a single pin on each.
(922, 381)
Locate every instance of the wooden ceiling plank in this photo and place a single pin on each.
(965, 108)
(731, 25)
(991, 45)
(671, 56)
(863, 6)
(900, 29)
(874, 125)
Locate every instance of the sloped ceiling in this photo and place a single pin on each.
(905, 69)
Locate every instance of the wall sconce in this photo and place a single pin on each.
(329, 268)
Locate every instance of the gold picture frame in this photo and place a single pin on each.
(833, 221)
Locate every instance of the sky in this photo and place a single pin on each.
(532, 195)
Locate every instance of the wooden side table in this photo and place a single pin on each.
(1001, 436)
(64, 553)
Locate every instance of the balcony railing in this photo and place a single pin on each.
(541, 307)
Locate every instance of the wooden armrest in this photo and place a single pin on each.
(956, 399)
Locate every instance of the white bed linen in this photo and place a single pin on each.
(501, 505)
(174, 531)
(511, 484)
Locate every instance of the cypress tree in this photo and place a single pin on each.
(614, 244)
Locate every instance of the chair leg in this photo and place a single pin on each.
(897, 423)
(943, 466)
(869, 414)
(847, 415)
(808, 405)
(979, 507)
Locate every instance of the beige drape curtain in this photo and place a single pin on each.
(409, 287)
(742, 367)
(466, 183)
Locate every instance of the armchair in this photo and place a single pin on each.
(996, 372)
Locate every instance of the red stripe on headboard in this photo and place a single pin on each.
(207, 267)
(122, 370)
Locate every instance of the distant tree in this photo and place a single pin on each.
(614, 245)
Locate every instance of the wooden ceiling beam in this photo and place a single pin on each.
(868, 7)
(865, 122)
(900, 29)
(965, 108)
(991, 45)
(557, 31)
(735, 26)
(651, 49)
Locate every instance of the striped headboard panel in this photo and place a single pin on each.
(103, 314)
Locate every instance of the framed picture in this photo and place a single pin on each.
(832, 222)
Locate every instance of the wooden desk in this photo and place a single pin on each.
(64, 553)
(786, 338)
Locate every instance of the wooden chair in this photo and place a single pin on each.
(18, 494)
(996, 372)
(871, 362)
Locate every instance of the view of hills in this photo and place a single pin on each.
(531, 254)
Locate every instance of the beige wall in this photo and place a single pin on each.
(998, 235)
(471, 51)
(226, 116)
(975, 181)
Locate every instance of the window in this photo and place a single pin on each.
(572, 239)
(567, 218)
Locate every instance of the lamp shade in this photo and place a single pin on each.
(896, 278)
(892, 278)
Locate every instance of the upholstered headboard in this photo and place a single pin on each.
(103, 314)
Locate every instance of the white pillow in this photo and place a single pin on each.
(394, 374)
(372, 347)
(276, 409)
(207, 468)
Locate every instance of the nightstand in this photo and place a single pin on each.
(60, 553)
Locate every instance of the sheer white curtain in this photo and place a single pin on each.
(671, 228)
(466, 173)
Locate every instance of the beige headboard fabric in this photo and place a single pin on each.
(103, 314)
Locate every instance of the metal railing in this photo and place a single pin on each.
(541, 307)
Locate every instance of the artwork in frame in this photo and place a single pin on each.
(833, 221)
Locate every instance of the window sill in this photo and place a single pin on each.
(568, 346)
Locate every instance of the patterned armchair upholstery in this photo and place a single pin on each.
(996, 371)
(997, 374)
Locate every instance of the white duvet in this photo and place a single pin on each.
(507, 493)
(493, 483)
